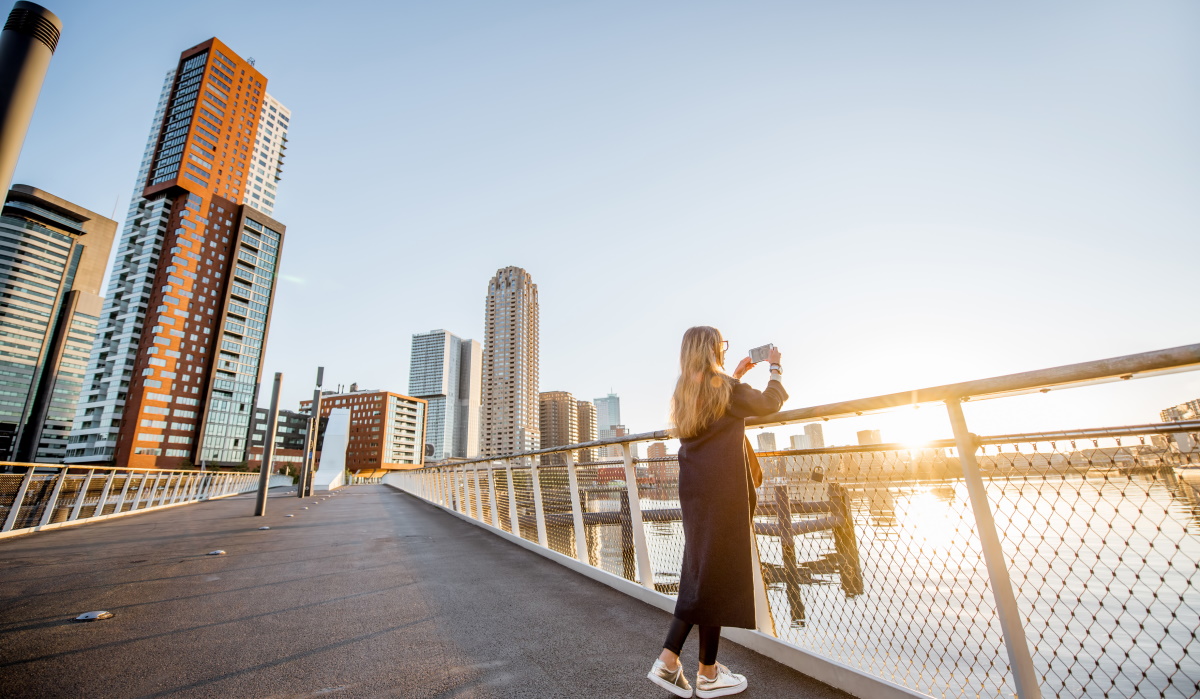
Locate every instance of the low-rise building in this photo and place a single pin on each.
(387, 430)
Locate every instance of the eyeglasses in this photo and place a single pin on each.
(724, 345)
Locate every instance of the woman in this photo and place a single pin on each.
(717, 476)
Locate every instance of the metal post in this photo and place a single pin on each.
(124, 491)
(87, 483)
(58, 484)
(576, 509)
(1023, 673)
(137, 498)
(268, 455)
(179, 479)
(112, 475)
(11, 519)
(26, 45)
(645, 572)
(492, 495)
(154, 492)
(539, 512)
(478, 496)
(514, 520)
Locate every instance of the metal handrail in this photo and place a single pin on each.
(1141, 365)
(87, 467)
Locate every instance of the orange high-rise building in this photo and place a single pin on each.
(172, 376)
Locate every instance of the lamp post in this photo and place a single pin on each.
(26, 45)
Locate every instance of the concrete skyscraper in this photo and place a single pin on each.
(816, 435)
(558, 421)
(510, 365)
(608, 418)
(447, 372)
(766, 441)
(585, 411)
(174, 369)
(52, 258)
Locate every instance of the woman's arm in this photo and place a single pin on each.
(748, 402)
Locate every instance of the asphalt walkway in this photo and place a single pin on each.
(367, 593)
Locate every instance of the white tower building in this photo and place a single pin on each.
(447, 371)
(510, 365)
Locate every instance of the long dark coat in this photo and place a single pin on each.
(716, 494)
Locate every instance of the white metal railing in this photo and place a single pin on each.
(46, 496)
(968, 567)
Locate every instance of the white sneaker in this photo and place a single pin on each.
(671, 680)
(724, 684)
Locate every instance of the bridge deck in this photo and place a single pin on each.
(367, 593)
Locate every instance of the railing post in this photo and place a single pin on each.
(11, 519)
(492, 495)
(154, 495)
(87, 483)
(478, 495)
(137, 498)
(1019, 658)
(538, 511)
(576, 509)
(640, 547)
(514, 519)
(58, 484)
(124, 491)
(175, 493)
(104, 492)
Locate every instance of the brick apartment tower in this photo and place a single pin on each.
(510, 365)
(172, 375)
(387, 430)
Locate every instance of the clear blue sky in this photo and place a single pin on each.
(897, 194)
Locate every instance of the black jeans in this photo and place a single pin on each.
(710, 638)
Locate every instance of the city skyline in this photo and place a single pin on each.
(929, 159)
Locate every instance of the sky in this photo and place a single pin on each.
(898, 195)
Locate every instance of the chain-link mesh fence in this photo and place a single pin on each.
(1101, 535)
(658, 495)
(871, 558)
(556, 503)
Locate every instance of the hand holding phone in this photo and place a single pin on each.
(760, 354)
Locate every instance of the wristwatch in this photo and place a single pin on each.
(776, 369)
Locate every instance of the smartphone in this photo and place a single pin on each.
(760, 354)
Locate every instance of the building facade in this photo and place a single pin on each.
(866, 437)
(52, 259)
(1184, 411)
(608, 417)
(173, 372)
(558, 421)
(510, 365)
(387, 430)
(766, 441)
(291, 433)
(585, 411)
(816, 435)
(800, 441)
(447, 372)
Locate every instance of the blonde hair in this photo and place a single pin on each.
(702, 392)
